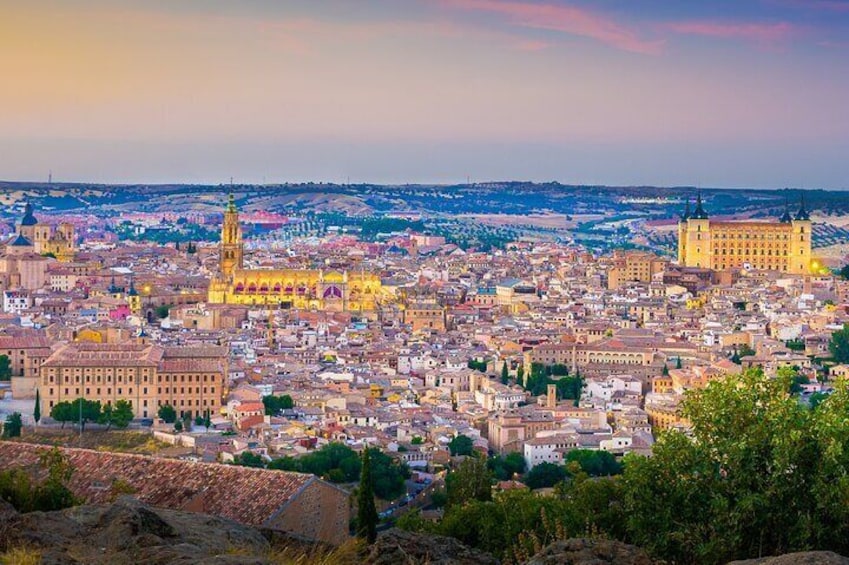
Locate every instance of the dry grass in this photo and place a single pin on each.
(120, 441)
(345, 554)
(21, 556)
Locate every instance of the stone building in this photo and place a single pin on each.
(783, 245)
(59, 241)
(191, 379)
(354, 291)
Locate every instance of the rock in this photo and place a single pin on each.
(128, 531)
(7, 511)
(398, 547)
(579, 551)
(801, 558)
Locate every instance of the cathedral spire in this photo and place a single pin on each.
(699, 213)
(802, 214)
(686, 215)
(786, 218)
(231, 203)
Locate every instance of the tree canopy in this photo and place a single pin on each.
(167, 413)
(839, 345)
(461, 445)
(13, 425)
(276, 404)
(759, 473)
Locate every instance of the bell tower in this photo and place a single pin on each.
(230, 248)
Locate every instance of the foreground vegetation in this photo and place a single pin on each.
(760, 474)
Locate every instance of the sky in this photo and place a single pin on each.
(720, 93)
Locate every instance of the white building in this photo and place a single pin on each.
(16, 301)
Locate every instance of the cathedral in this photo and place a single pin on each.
(43, 239)
(782, 245)
(286, 288)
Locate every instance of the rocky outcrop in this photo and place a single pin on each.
(581, 551)
(130, 532)
(399, 547)
(801, 558)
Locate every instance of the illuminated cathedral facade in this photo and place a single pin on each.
(349, 291)
(782, 245)
(43, 239)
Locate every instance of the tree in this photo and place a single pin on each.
(276, 404)
(678, 364)
(119, 416)
(13, 425)
(388, 475)
(520, 374)
(507, 467)
(207, 419)
(665, 370)
(417, 440)
(839, 345)
(366, 509)
(844, 272)
(731, 489)
(17, 486)
(249, 459)
(544, 475)
(470, 481)
(461, 445)
(36, 411)
(167, 413)
(5, 368)
(595, 463)
(505, 375)
(178, 426)
(80, 410)
(162, 311)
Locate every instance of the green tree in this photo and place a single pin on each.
(36, 411)
(665, 370)
(505, 375)
(167, 413)
(276, 404)
(207, 419)
(417, 440)
(461, 445)
(13, 425)
(18, 488)
(520, 374)
(80, 411)
(544, 475)
(595, 463)
(506, 467)
(162, 311)
(5, 368)
(470, 481)
(731, 489)
(249, 459)
(839, 345)
(678, 364)
(366, 509)
(388, 475)
(844, 272)
(120, 415)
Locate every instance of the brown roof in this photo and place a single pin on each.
(246, 495)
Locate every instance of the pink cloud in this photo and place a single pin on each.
(566, 19)
(761, 33)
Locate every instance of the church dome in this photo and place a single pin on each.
(28, 219)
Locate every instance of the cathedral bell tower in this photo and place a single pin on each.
(230, 248)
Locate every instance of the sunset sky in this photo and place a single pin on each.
(715, 93)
